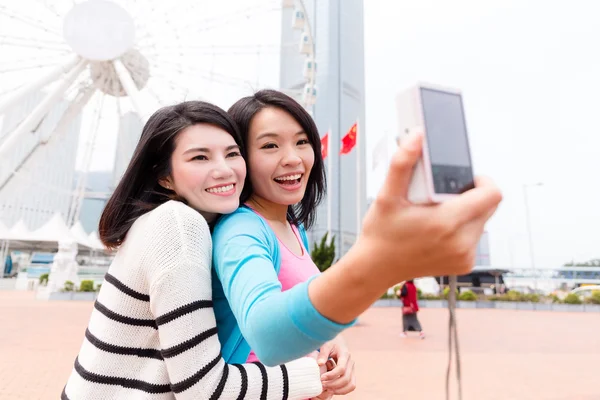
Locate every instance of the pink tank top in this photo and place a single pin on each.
(294, 269)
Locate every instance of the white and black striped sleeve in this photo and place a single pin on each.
(181, 303)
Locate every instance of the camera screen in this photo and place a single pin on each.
(447, 141)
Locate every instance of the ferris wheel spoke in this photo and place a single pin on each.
(40, 82)
(152, 93)
(172, 86)
(207, 75)
(9, 69)
(34, 40)
(49, 8)
(77, 200)
(4, 11)
(33, 45)
(216, 23)
(27, 63)
(130, 88)
(83, 97)
(74, 109)
(233, 50)
(39, 112)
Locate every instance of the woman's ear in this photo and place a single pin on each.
(166, 183)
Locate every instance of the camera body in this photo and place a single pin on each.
(445, 168)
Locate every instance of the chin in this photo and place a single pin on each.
(229, 208)
(292, 200)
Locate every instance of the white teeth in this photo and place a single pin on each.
(220, 189)
(289, 177)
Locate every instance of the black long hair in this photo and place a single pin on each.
(245, 109)
(139, 190)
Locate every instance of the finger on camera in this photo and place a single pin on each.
(401, 168)
(474, 203)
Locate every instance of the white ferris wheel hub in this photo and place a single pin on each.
(99, 30)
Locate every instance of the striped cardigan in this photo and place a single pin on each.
(152, 333)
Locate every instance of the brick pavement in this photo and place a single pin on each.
(518, 355)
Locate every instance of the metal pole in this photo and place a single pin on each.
(529, 234)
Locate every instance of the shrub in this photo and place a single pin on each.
(419, 293)
(594, 298)
(427, 296)
(98, 287)
(513, 295)
(517, 297)
(572, 298)
(69, 286)
(86, 286)
(323, 253)
(446, 293)
(467, 295)
(532, 298)
(44, 279)
(555, 299)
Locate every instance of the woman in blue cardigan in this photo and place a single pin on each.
(398, 241)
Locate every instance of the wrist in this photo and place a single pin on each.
(304, 378)
(352, 285)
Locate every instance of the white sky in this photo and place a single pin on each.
(530, 74)
(529, 71)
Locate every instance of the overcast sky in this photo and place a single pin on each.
(530, 73)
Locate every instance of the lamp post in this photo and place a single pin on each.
(529, 234)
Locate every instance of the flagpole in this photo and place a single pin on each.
(358, 180)
(329, 186)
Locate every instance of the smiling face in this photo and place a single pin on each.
(280, 158)
(207, 170)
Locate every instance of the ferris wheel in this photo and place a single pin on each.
(102, 60)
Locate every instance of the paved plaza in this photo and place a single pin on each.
(508, 355)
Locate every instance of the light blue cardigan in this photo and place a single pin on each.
(251, 310)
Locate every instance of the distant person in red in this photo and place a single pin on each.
(410, 308)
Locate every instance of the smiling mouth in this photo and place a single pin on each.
(289, 179)
(221, 189)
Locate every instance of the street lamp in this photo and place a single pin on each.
(529, 235)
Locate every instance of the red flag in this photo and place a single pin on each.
(325, 145)
(349, 141)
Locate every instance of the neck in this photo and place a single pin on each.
(209, 217)
(268, 209)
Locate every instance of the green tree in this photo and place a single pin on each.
(323, 253)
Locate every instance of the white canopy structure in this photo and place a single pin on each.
(48, 236)
(80, 235)
(95, 240)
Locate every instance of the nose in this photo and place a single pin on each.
(291, 158)
(221, 170)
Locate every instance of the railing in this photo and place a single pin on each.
(589, 275)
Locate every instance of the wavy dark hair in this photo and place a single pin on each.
(245, 109)
(139, 190)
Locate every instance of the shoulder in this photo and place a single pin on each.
(174, 221)
(174, 211)
(242, 221)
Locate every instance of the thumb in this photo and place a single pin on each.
(400, 173)
(324, 352)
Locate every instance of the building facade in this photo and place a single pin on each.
(338, 32)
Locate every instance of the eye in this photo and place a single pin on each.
(303, 141)
(269, 146)
(200, 157)
(234, 154)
